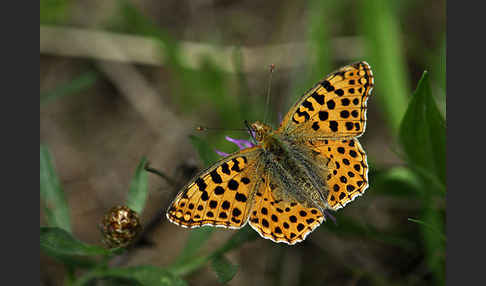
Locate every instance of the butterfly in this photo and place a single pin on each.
(283, 185)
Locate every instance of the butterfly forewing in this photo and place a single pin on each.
(335, 107)
(219, 195)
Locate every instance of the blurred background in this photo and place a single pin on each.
(123, 79)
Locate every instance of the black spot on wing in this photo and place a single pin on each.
(240, 197)
(327, 85)
(339, 92)
(331, 104)
(216, 177)
(225, 205)
(236, 212)
(225, 168)
(323, 115)
(218, 190)
(303, 113)
(333, 125)
(307, 104)
(349, 126)
(319, 98)
(201, 184)
(236, 165)
(233, 185)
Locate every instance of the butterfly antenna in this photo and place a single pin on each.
(267, 103)
(204, 128)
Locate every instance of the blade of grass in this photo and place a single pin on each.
(433, 238)
(319, 64)
(441, 235)
(321, 15)
(53, 198)
(384, 47)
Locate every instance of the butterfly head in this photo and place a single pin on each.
(261, 130)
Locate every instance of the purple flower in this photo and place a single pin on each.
(222, 154)
(241, 143)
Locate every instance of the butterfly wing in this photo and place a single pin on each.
(335, 107)
(219, 195)
(347, 174)
(281, 220)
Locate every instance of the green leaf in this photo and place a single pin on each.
(422, 136)
(423, 133)
(206, 153)
(56, 241)
(398, 181)
(55, 205)
(141, 275)
(138, 192)
(225, 270)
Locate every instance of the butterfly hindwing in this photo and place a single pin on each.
(219, 195)
(335, 107)
(281, 220)
(347, 174)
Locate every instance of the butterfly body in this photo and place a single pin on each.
(296, 169)
(283, 186)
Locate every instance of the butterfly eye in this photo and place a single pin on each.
(260, 130)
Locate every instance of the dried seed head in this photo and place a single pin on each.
(120, 227)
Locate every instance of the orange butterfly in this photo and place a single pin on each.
(284, 185)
